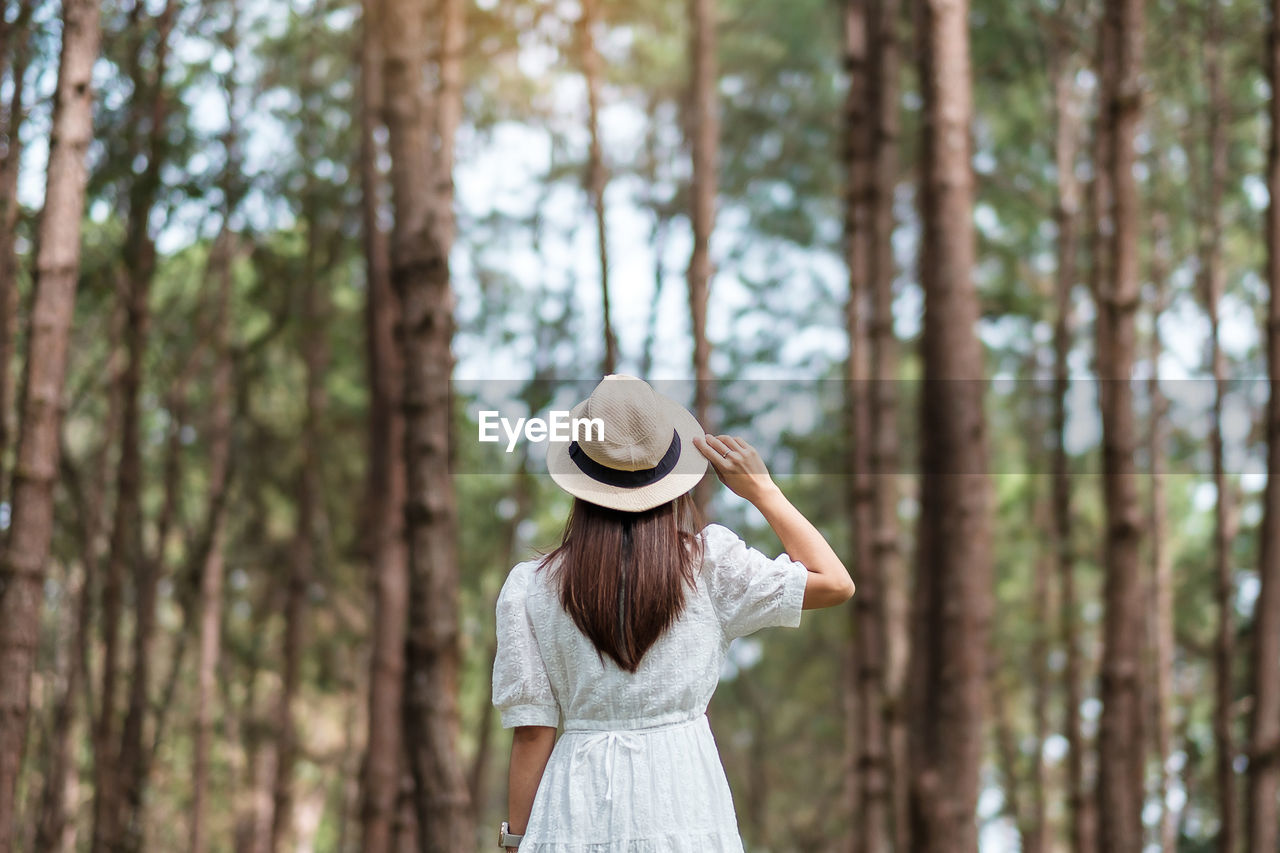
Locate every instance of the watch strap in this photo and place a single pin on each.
(508, 839)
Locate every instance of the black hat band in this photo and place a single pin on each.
(626, 479)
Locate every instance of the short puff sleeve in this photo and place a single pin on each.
(521, 689)
(748, 590)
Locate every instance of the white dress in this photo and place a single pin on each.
(636, 770)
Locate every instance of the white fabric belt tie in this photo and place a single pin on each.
(612, 739)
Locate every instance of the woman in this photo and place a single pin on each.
(620, 632)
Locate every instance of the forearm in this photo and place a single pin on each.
(530, 749)
(802, 541)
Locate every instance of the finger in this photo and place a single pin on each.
(717, 445)
(734, 442)
(730, 446)
(707, 450)
(716, 457)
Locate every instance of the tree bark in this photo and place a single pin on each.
(212, 568)
(662, 215)
(1264, 734)
(704, 134)
(1034, 831)
(51, 822)
(139, 255)
(10, 165)
(221, 405)
(421, 238)
(1006, 755)
(1212, 284)
(1120, 737)
(597, 175)
(1162, 639)
(307, 548)
(388, 559)
(887, 556)
(953, 595)
(1068, 132)
(867, 773)
(26, 552)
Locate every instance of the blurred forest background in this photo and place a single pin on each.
(260, 260)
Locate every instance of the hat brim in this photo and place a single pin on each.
(687, 473)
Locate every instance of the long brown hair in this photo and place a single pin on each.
(622, 575)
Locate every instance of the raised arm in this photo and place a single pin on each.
(740, 468)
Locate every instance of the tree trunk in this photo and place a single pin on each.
(867, 772)
(1120, 741)
(52, 820)
(221, 392)
(704, 134)
(1006, 755)
(1034, 831)
(662, 213)
(1161, 596)
(306, 545)
(597, 175)
(420, 272)
(10, 165)
(388, 560)
(887, 558)
(1068, 127)
(953, 595)
(124, 547)
(1211, 287)
(211, 573)
(252, 800)
(139, 255)
(119, 768)
(22, 566)
(1264, 735)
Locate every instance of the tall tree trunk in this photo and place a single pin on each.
(1120, 742)
(1161, 596)
(867, 772)
(887, 558)
(1211, 288)
(123, 547)
(118, 767)
(1264, 734)
(1034, 832)
(420, 244)
(657, 233)
(10, 165)
(306, 548)
(253, 809)
(704, 132)
(388, 559)
(51, 823)
(221, 392)
(1006, 753)
(597, 175)
(26, 551)
(213, 567)
(953, 595)
(140, 254)
(1068, 131)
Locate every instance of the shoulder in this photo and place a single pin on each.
(717, 540)
(521, 580)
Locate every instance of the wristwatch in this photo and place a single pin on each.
(506, 839)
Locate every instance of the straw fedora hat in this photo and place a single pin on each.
(645, 456)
